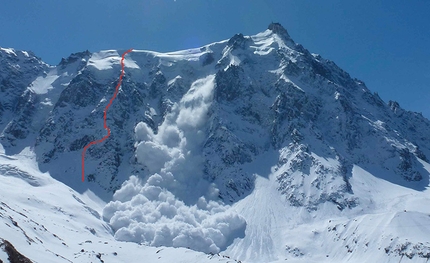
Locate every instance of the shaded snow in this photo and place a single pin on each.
(43, 84)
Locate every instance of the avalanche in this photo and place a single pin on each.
(251, 147)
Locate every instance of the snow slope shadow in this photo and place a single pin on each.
(421, 170)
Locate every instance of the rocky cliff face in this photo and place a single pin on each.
(269, 94)
(18, 70)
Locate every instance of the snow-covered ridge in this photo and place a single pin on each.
(252, 146)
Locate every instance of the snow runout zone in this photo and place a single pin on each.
(52, 223)
(104, 115)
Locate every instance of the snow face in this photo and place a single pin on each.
(43, 84)
(105, 60)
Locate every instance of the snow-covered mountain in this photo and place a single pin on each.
(251, 147)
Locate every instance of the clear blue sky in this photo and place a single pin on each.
(384, 43)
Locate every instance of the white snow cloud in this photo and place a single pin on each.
(175, 206)
(175, 148)
(153, 155)
(150, 214)
(143, 132)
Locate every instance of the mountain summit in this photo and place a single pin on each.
(251, 146)
(278, 29)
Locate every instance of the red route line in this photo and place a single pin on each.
(104, 116)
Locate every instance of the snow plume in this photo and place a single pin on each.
(152, 215)
(176, 148)
(175, 206)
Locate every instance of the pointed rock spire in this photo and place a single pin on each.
(277, 28)
(238, 41)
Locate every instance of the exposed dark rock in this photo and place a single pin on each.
(277, 28)
(13, 255)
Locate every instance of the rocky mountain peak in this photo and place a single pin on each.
(277, 28)
(238, 41)
(74, 57)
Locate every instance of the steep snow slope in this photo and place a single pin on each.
(391, 224)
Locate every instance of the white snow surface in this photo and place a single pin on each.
(104, 60)
(9, 51)
(43, 84)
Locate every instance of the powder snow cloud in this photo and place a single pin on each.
(176, 206)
